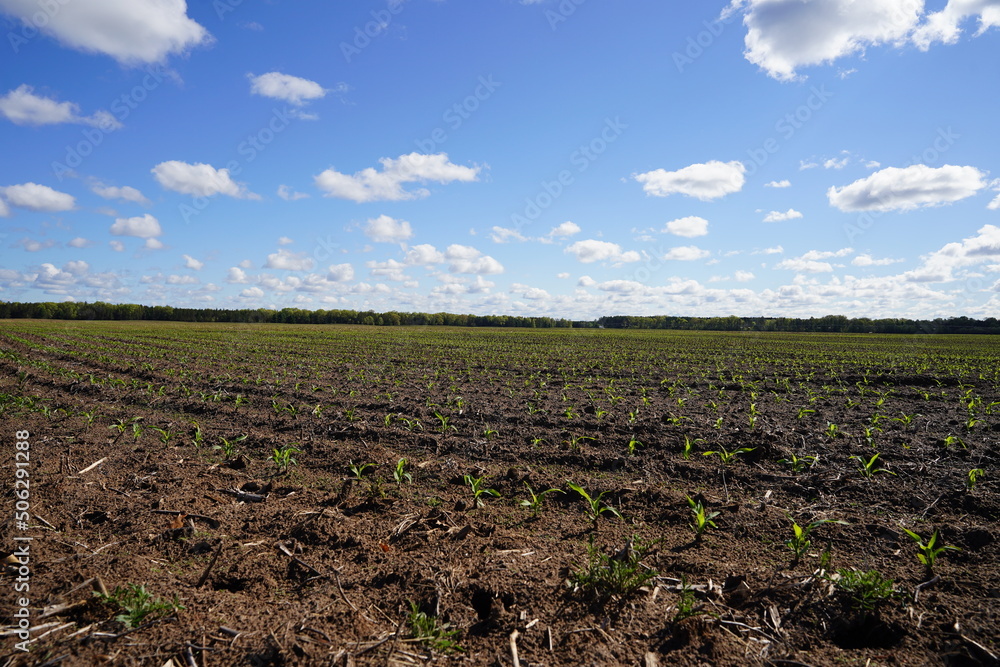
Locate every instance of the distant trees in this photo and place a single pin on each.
(100, 310)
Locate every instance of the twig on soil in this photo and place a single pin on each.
(212, 523)
(92, 466)
(513, 648)
(45, 523)
(919, 587)
(208, 570)
(244, 496)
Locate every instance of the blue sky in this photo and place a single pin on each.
(569, 158)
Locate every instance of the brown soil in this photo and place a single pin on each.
(304, 566)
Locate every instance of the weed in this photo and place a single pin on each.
(620, 575)
(138, 605)
(867, 590)
(431, 632)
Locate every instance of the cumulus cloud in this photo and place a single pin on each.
(466, 259)
(192, 263)
(35, 197)
(130, 31)
(125, 193)
(743, 276)
(564, 230)
(593, 250)
(340, 273)
(706, 181)
(292, 89)
(236, 276)
(944, 26)
(199, 180)
(687, 253)
(22, 107)
(778, 184)
(811, 262)
(778, 216)
(690, 226)
(387, 185)
(289, 194)
(868, 260)
(423, 255)
(785, 35)
(384, 229)
(902, 189)
(80, 242)
(289, 261)
(252, 293)
(939, 266)
(141, 226)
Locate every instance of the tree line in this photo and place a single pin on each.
(99, 310)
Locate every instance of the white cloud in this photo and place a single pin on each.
(116, 245)
(424, 255)
(908, 188)
(4, 209)
(289, 194)
(339, 273)
(778, 216)
(141, 226)
(593, 250)
(387, 185)
(192, 263)
(284, 240)
(940, 265)
(690, 226)
(31, 245)
(801, 265)
(125, 193)
(22, 107)
(292, 89)
(687, 253)
(775, 250)
(995, 204)
(503, 235)
(868, 260)
(199, 180)
(834, 163)
(778, 184)
(707, 181)
(384, 229)
(252, 293)
(388, 270)
(181, 280)
(236, 276)
(564, 230)
(586, 281)
(466, 259)
(943, 26)
(743, 276)
(289, 261)
(130, 31)
(37, 197)
(153, 244)
(80, 242)
(530, 293)
(785, 35)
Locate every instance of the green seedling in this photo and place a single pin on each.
(400, 474)
(927, 551)
(358, 471)
(867, 468)
(228, 447)
(805, 412)
(595, 505)
(702, 518)
(799, 463)
(444, 423)
(490, 433)
(953, 440)
(478, 490)
(728, 457)
(138, 605)
(972, 478)
(165, 434)
(537, 499)
(800, 541)
(284, 458)
(689, 446)
(633, 445)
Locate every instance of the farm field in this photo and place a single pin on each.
(345, 495)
